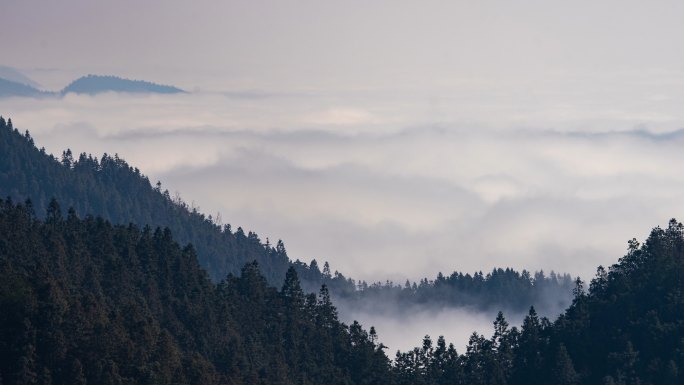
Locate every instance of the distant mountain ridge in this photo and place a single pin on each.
(86, 302)
(14, 75)
(15, 84)
(95, 84)
(9, 88)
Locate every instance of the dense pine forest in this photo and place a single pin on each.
(500, 289)
(627, 329)
(341, 193)
(84, 301)
(111, 188)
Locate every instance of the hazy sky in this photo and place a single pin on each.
(391, 138)
(346, 44)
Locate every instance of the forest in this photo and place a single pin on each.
(109, 187)
(89, 295)
(84, 301)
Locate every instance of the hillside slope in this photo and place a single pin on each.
(111, 188)
(628, 329)
(95, 84)
(10, 88)
(14, 75)
(83, 301)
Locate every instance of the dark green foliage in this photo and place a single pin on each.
(627, 329)
(110, 188)
(501, 289)
(84, 301)
(562, 370)
(630, 326)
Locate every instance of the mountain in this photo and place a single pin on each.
(10, 88)
(86, 302)
(13, 83)
(627, 329)
(96, 84)
(13, 75)
(111, 188)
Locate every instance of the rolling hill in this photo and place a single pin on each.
(96, 84)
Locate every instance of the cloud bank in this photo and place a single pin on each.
(378, 189)
(385, 186)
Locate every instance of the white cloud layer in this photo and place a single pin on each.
(381, 190)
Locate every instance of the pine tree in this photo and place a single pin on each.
(528, 354)
(563, 371)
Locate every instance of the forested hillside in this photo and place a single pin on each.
(500, 289)
(86, 302)
(83, 301)
(628, 329)
(111, 188)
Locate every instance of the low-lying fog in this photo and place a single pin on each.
(385, 186)
(403, 328)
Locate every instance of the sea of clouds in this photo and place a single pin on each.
(399, 183)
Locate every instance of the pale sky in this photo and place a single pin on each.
(346, 44)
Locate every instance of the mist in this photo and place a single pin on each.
(383, 192)
(394, 187)
(401, 328)
(393, 139)
(406, 330)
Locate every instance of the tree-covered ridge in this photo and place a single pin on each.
(500, 289)
(66, 281)
(111, 188)
(14, 75)
(10, 88)
(84, 301)
(95, 84)
(15, 84)
(627, 329)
